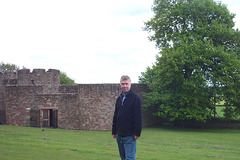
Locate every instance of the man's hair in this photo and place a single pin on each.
(125, 77)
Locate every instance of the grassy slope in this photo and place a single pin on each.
(166, 143)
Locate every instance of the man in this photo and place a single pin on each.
(127, 120)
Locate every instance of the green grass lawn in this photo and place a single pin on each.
(165, 143)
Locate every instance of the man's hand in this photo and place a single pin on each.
(114, 136)
(135, 137)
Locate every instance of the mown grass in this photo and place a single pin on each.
(165, 143)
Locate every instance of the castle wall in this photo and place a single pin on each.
(2, 105)
(91, 106)
(69, 112)
(50, 79)
(5, 78)
(87, 106)
(97, 103)
(82, 106)
(19, 100)
(22, 96)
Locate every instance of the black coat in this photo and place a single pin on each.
(127, 119)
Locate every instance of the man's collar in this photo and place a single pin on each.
(126, 92)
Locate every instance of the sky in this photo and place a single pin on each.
(94, 41)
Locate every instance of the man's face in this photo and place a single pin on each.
(125, 85)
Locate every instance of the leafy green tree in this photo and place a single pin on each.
(65, 80)
(147, 76)
(199, 58)
(8, 67)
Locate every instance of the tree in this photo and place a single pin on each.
(199, 58)
(8, 67)
(65, 80)
(146, 77)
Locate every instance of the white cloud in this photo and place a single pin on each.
(92, 41)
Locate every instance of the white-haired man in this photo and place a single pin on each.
(127, 120)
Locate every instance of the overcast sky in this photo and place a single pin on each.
(93, 41)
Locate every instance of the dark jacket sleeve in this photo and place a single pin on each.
(114, 124)
(137, 117)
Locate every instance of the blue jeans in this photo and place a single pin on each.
(126, 147)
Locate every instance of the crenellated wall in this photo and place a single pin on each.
(82, 106)
(5, 78)
(50, 80)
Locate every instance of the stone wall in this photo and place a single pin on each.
(91, 106)
(50, 79)
(82, 106)
(5, 78)
(97, 103)
(2, 105)
(18, 100)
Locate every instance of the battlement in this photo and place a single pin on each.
(7, 76)
(38, 77)
(26, 77)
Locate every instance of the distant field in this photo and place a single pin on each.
(220, 106)
(165, 143)
(219, 111)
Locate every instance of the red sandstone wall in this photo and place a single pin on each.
(18, 100)
(50, 80)
(5, 78)
(69, 115)
(97, 102)
(83, 106)
(87, 106)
